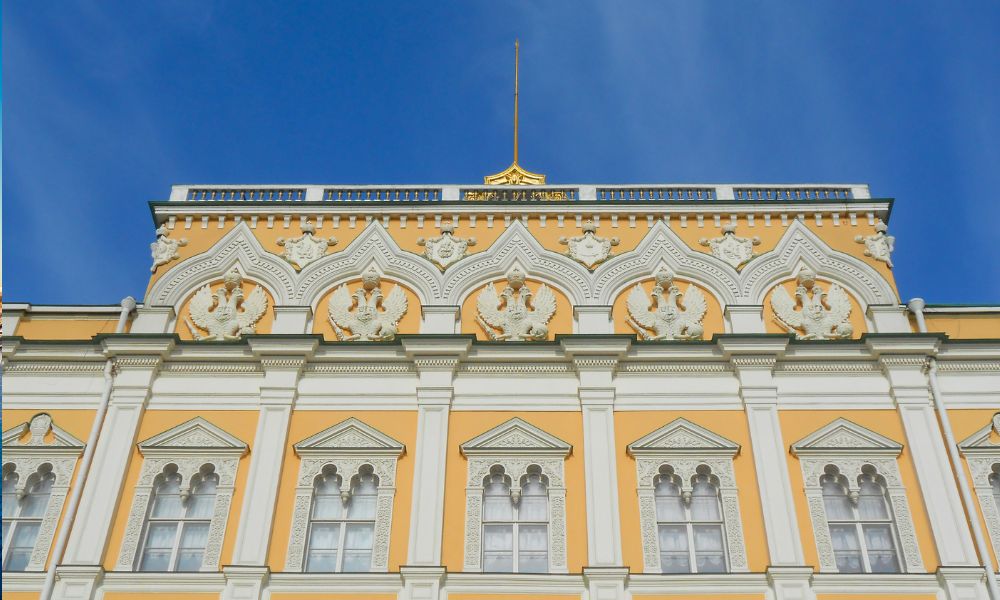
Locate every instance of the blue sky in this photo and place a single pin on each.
(106, 104)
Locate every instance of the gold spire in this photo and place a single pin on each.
(514, 174)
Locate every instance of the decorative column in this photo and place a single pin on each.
(283, 361)
(137, 361)
(595, 360)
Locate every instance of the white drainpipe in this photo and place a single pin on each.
(916, 307)
(128, 305)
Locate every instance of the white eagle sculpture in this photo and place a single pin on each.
(670, 320)
(367, 322)
(226, 314)
(516, 312)
(824, 315)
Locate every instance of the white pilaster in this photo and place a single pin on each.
(421, 583)
(606, 583)
(593, 319)
(77, 582)
(963, 583)
(745, 319)
(439, 319)
(153, 319)
(291, 319)
(790, 583)
(244, 583)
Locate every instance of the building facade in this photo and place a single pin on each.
(500, 391)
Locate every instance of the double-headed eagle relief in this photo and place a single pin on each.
(446, 248)
(735, 250)
(306, 248)
(814, 314)
(164, 249)
(589, 249)
(226, 314)
(879, 245)
(359, 312)
(669, 319)
(515, 314)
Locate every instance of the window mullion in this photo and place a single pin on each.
(692, 556)
(178, 532)
(342, 535)
(863, 546)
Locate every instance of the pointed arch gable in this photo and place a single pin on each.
(800, 246)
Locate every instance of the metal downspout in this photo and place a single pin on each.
(916, 307)
(128, 305)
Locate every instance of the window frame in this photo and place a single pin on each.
(181, 523)
(689, 522)
(47, 444)
(342, 523)
(983, 459)
(858, 523)
(515, 522)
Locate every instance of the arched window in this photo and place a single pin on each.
(22, 514)
(179, 520)
(689, 524)
(342, 522)
(515, 523)
(861, 524)
(995, 484)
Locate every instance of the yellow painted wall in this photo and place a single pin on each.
(857, 316)
(964, 423)
(241, 424)
(410, 323)
(74, 422)
(21, 595)
(465, 425)
(263, 325)
(79, 328)
(713, 321)
(562, 320)
(399, 425)
(797, 424)
(631, 426)
(963, 326)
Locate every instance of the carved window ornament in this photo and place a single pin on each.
(524, 455)
(688, 456)
(353, 454)
(861, 462)
(39, 466)
(983, 456)
(306, 248)
(189, 454)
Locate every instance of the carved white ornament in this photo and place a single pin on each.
(359, 312)
(446, 248)
(164, 249)
(731, 248)
(823, 315)
(668, 320)
(879, 245)
(589, 249)
(190, 447)
(346, 447)
(306, 248)
(515, 446)
(850, 447)
(28, 457)
(515, 312)
(983, 457)
(685, 447)
(226, 314)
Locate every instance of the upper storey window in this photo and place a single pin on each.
(38, 462)
(181, 502)
(515, 524)
(983, 457)
(343, 500)
(857, 503)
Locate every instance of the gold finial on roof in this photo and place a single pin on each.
(515, 174)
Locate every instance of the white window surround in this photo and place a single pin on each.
(983, 457)
(61, 452)
(189, 446)
(347, 447)
(515, 445)
(685, 447)
(850, 447)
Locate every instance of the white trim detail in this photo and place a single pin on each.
(346, 446)
(61, 453)
(850, 447)
(983, 456)
(189, 446)
(515, 445)
(685, 446)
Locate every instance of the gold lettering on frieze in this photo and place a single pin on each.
(481, 195)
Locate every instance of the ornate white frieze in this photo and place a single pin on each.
(518, 314)
(879, 245)
(306, 248)
(589, 249)
(446, 248)
(731, 248)
(359, 312)
(164, 249)
(814, 314)
(669, 319)
(226, 314)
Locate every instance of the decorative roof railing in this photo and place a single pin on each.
(592, 193)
